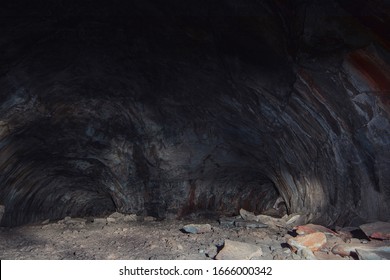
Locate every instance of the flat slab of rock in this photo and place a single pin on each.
(377, 230)
(249, 224)
(381, 250)
(312, 228)
(373, 255)
(234, 250)
(197, 228)
(227, 221)
(312, 241)
(271, 221)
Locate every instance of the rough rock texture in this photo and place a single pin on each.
(313, 241)
(377, 230)
(235, 250)
(169, 109)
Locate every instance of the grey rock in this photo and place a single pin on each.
(372, 255)
(130, 218)
(234, 250)
(381, 250)
(227, 221)
(117, 216)
(249, 224)
(100, 220)
(377, 230)
(2, 210)
(197, 228)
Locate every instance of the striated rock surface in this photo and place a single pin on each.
(202, 107)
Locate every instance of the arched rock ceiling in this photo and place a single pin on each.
(169, 108)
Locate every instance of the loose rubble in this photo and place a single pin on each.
(247, 236)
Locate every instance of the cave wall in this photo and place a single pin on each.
(181, 108)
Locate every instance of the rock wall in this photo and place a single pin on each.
(193, 108)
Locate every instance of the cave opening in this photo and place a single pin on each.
(197, 109)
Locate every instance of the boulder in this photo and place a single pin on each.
(364, 251)
(377, 230)
(234, 250)
(313, 241)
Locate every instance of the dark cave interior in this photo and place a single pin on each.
(175, 108)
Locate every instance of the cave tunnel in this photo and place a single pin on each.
(179, 108)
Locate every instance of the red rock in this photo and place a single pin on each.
(377, 230)
(312, 228)
(313, 241)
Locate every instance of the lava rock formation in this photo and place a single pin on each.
(172, 108)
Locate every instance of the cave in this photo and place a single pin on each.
(176, 109)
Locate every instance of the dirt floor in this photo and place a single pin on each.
(129, 237)
(118, 239)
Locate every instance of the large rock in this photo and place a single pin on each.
(313, 241)
(377, 230)
(234, 250)
(364, 251)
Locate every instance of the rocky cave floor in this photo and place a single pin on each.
(130, 237)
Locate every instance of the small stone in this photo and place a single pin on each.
(116, 215)
(211, 251)
(111, 220)
(306, 253)
(130, 218)
(180, 247)
(75, 221)
(377, 230)
(149, 219)
(294, 220)
(327, 256)
(2, 210)
(45, 222)
(248, 216)
(197, 228)
(100, 220)
(234, 250)
(249, 224)
(227, 221)
(313, 241)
